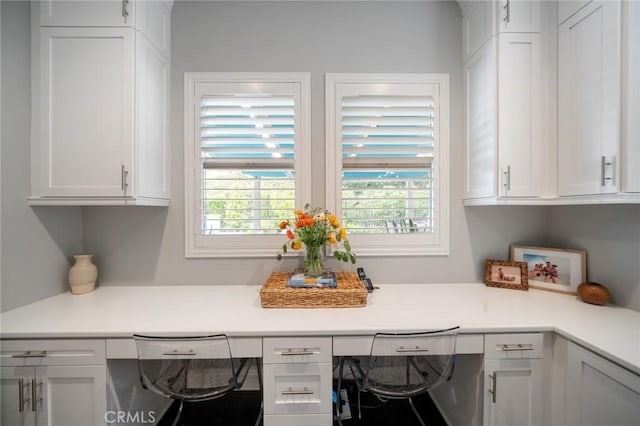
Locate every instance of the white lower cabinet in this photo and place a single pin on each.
(297, 381)
(53, 383)
(513, 379)
(599, 392)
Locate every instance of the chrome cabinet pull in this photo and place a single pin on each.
(34, 395)
(492, 391)
(125, 9)
(31, 354)
(175, 352)
(416, 349)
(293, 352)
(506, 181)
(124, 175)
(603, 170)
(515, 347)
(21, 395)
(304, 391)
(507, 15)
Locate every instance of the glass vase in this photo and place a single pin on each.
(313, 262)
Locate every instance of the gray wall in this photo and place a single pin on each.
(141, 246)
(316, 37)
(37, 244)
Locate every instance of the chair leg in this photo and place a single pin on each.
(259, 369)
(415, 411)
(179, 414)
(338, 397)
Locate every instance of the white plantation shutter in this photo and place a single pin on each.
(387, 151)
(247, 160)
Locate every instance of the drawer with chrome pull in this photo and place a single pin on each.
(296, 350)
(525, 345)
(297, 388)
(52, 352)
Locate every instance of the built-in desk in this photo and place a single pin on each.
(114, 314)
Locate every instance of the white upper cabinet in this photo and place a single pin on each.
(86, 13)
(589, 64)
(85, 112)
(100, 106)
(504, 156)
(483, 19)
(478, 25)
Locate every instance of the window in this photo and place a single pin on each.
(387, 161)
(247, 159)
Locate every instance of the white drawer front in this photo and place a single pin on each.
(241, 347)
(527, 345)
(361, 345)
(297, 388)
(296, 350)
(299, 420)
(52, 352)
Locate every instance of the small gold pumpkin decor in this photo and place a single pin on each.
(593, 293)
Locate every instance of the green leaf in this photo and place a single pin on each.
(347, 246)
(353, 258)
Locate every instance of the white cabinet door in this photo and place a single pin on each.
(519, 16)
(513, 392)
(598, 392)
(151, 171)
(72, 395)
(95, 13)
(589, 100)
(480, 123)
(629, 170)
(85, 114)
(521, 157)
(15, 396)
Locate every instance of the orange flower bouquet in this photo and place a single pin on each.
(314, 228)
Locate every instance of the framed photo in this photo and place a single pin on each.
(506, 274)
(551, 268)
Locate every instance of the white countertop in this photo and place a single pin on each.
(112, 312)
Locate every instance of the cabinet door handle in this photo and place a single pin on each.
(507, 178)
(492, 391)
(603, 170)
(304, 391)
(21, 399)
(34, 396)
(31, 354)
(125, 9)
(124, 175)
(507, 15)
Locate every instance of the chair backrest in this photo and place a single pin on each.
(403, 365)
(187, 368)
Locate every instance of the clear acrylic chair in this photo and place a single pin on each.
(402, 366)
(190, 368)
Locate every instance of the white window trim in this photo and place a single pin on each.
(234, 245)
(393, 244)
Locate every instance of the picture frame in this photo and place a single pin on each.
(506, 274)
(552, 269)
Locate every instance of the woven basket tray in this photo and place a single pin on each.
(349, 293)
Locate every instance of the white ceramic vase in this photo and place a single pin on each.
(83, 274)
